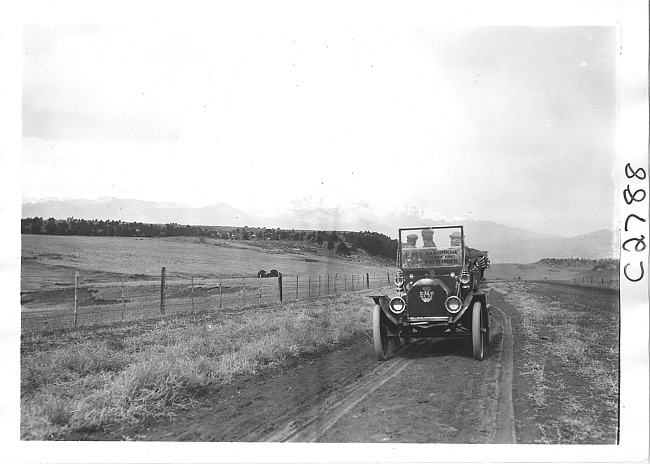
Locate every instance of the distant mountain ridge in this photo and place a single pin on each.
(504, 243)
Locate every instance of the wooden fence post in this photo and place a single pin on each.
(123, 304)
(309, 287)
(76, 285)
(388, 277)
(260, 289)
(162, 291)
(367, 280)
(192, 292)
(319, 285)
(220, 295)
(280, 285)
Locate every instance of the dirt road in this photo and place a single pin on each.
(431, 391)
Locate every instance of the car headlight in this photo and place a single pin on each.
(397, 305)
(399, 280)
(453, 304)
(464, 278)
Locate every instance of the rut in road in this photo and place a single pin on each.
(305, 426)
(312, 424)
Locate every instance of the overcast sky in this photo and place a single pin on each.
(513, 124)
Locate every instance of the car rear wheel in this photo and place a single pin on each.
(477, 331)
(380, 333)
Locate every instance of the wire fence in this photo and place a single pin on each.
(52, 302)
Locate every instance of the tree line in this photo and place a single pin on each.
(342, 242)
(598, 264)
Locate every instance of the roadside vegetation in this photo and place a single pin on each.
(566, 362)
(83, 381)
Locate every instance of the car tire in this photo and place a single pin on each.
(477, 331)
(380, 334)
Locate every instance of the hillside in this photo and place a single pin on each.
(505, 243)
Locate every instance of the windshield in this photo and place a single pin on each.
(431, 247)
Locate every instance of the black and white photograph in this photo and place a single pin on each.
(327, 231)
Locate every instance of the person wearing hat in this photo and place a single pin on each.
(455, 239)
(427, 237)
(471, 254)
(411, 240)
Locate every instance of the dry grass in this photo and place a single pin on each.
(571, 361)
(92, 385)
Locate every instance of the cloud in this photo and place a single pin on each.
(466, 120)
(100, 83)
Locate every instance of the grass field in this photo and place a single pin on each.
(542, 271)
(108, 258)
(120, 278)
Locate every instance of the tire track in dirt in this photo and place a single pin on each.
(313, 423)
(505, 433)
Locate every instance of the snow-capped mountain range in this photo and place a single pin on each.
(504, 243)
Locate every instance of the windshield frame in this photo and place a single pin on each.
(403, 231)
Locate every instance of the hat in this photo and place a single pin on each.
(411, 239)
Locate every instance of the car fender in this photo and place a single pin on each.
(470, 299)
(484, 297)
(383, 301)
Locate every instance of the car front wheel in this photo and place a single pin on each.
(380, 333)
(477, 331)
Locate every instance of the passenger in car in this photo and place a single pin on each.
(455, 239)
(472, 255)
(411, 241)
(427, 238)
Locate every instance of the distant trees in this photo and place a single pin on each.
(597, 264)
(343, 249)
(36, 226)
(377, 244)
(341, 242)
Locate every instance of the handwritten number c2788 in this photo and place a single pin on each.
(631, 197)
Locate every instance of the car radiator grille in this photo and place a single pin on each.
(434, 308)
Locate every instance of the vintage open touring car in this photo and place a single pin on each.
(439, 293)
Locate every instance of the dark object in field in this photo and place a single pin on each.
(263, 273)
